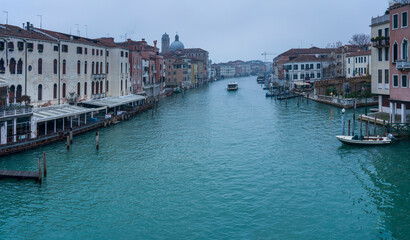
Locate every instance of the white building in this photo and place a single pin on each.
(380, 60)
(358, 64)
(53, 68)
(305, 68)
(228, 71)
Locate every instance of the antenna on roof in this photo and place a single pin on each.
(7, 17)
(78, 29)
(41, 21)
(86, 30)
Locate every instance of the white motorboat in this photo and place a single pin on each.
(232, 86)
(364, 141)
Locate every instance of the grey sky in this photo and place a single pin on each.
(228, 29)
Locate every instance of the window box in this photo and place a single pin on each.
(30, 49)
(21, 48)
(11, 49)
(2, 71)
(40, 50)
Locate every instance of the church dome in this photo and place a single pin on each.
(176, 45)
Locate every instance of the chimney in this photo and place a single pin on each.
(155, 43)
(28, 26)
(24, 26)
(143, 39)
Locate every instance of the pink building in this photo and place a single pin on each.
(399, 64)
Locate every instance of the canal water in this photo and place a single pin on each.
(213, 164)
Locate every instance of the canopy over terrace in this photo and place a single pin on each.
(60, 118)
(114, 102)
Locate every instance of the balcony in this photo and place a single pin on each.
(380, 42)
(403, 65)
(98, 76)
(98, 96)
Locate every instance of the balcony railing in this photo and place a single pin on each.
(381, 42)
(13, 111)
(403, 65)
(98, 76)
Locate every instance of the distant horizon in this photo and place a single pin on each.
(249, 29)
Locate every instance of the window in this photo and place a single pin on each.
(64, 48)
(1, 45)
(122, 54)
(20, 67)
(121, 67)
(126, 54)
(365, 59)
(10, 46)
(85, 67)
(96, 68)
(97, 86)
(395, 81)
(78, 67)
(295, 67)
(395, 21)
(348, 61)
(107, 53)
(403, 81)
(79, 50)
(379, 32)
(395, 52)
(121, 85)
(11, 93)
(79, 89)
(318, 66)
(386, 54)
(56, 48)
(302, 67)
(348, 71)
(40, 47)
(380, 76)
(404, 19)
(19, 91)
(311, 66)
(101, 68)
(55, 91)
(64, 89)
(40, 92)
(93, 52)
(404, 46)
(101, 86)
(55, 66)
(106, 86)
(295, 76)
(356, 59)
(20, 46)
(92, 88)
(92, 68)
(40, 66)
(386, 76)
(85, 88)
(307, 66)
(106, 69)
(64, 69)
(302, 76)
(101, 52)
(386, 32)
(2, 68)
(85, 51)
(312, 75)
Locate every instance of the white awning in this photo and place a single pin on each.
(114, 101)
(61, 111)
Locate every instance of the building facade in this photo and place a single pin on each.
(358, 64)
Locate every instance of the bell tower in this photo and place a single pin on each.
(165, 43)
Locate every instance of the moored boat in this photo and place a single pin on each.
(364, 141)
(232, 86)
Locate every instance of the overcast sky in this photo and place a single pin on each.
(228, 29)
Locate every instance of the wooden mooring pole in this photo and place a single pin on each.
(375, 121)
(348, 128)
(68, 142)
(45, 164)
(307, 98)
(71, 135)
(39, 170)
(298, 99)
(384, 127)
(97, 139)
(367, 125)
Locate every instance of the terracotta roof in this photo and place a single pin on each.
(193, 50)
(307, 58)
(312, 50)
(14, 31)
(360, 53)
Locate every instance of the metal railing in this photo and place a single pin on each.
(381, 19)
(402, 64)
(13, 111)
(401, 129)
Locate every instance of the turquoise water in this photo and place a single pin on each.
(213, 164)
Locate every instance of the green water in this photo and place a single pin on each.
(213, 164)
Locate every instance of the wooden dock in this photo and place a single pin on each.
(34, 175)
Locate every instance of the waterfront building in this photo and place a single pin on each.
(304, 69)
(399, 61)
(227, 71)
(380, 56)
(358, 64)
(148, 73)
(55, 68)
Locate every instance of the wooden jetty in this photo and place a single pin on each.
(34, 175)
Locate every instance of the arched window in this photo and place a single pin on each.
(64, 68)
(106, 86)
(96, 68)
(40, 92)
(78, 89)
(395, 52)
(106, 70)
(55, 91)
(2, 68)
(63, 90)
(85, 67)
(92, 87)
(40, 66)
(101, 68)
(92, 67)
(55, 66)
(78, 67)
(12, 92)
(85, 89)
(12, 66)
(20, 67)
(96, 87)
(121, 67)
(404, 53)
(121, 85)
(125, 84)
(101, 87)
(19, 91)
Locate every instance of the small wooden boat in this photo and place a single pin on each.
(232, 86)
(364, 141)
